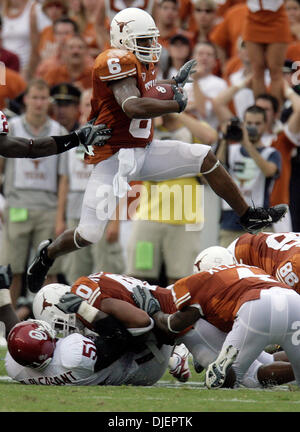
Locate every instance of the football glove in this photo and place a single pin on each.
(181, 97)
(93, 135)
(144, 299)
(69, 303)
(184, 72)
(3, 124)
(5, 276)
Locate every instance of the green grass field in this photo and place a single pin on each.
(166, 396)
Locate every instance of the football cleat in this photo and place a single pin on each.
(216, 371)
(38, 269)
(179, 363)
(255, 219)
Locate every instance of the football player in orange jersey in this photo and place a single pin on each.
(277, 254)
(121, 77)
(243, 301)
(113, 293)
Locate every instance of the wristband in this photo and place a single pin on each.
(169, 325)
(87, 312)
(66, 142)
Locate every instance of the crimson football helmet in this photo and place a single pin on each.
(31, 343)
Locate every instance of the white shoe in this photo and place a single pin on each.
(179, 363)
(216, 371)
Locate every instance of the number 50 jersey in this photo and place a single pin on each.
(111, 65)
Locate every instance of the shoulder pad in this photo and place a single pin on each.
(115, 64)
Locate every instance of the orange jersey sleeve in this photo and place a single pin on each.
(277, 254)
(96, 287)
(112, 65)
(220, 292)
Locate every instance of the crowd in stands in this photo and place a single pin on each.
(247, 54)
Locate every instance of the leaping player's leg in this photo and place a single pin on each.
(98, 206)
(172, 159)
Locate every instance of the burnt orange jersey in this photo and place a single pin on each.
(220, 292)
(97, 286)
(111, 65)
(277, 254)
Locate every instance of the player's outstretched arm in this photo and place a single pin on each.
(17, 147)
(129, 98)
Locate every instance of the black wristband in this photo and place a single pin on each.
(66, 142)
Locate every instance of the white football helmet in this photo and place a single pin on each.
(212, 257)
(44, 309)
(132, 24)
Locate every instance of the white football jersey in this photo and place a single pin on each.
(73, 364)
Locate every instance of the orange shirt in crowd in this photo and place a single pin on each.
(293, 51)
(281, 190)
(221, 291)
(232, 65)
(277, 254)
(15, 85)
(46, 39)
(265, 26)
(59, 74)
(226, 33)
(223, 8)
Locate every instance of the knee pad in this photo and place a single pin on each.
(90, 233)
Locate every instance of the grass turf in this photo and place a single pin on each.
(166, 396)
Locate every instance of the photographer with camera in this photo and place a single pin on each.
(253, 166)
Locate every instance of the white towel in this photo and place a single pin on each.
(127, 166)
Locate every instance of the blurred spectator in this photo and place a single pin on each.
(266, 34)
(225, 35)
(253, 167)
(65, 98)
(224, 5)
(19, 18)
(74, 70)
(93, 27)
(205, 19)
(292, 8)
(205, 84)
(10, 59)
(54, 9)
(30, 189)
(180, 51)
(63, 29)
(167, 21)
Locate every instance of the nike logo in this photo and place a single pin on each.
(66, 144)
(262, 220)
